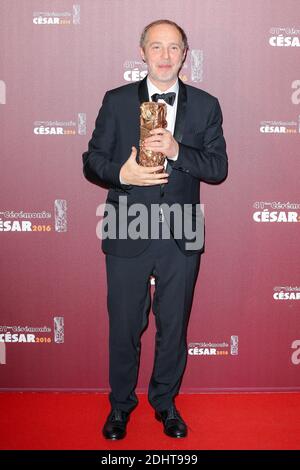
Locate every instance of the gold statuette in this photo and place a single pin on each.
(153, 115)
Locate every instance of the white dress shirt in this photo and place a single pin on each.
(171, 110)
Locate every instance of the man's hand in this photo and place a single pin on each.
(133, 173)
(162, 140)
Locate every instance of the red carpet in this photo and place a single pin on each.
(216, 421)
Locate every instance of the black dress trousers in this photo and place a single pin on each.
(129, 303)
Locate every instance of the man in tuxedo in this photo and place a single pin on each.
(195, 151)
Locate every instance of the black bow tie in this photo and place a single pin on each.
(167, 97)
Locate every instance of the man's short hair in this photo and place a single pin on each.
(157, 22)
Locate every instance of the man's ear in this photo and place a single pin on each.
(142, 54)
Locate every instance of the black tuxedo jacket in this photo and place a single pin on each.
(202, 157)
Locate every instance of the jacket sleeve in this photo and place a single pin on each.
(98, 166)
(207, 160)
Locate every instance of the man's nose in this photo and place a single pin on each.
(165, 53)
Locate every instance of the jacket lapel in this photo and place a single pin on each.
(143, 90)
(181, 111)
(180, 119)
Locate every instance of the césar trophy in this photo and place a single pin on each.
(153, 115)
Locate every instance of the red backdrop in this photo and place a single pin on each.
(58, 59)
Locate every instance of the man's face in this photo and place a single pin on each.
(163, 52)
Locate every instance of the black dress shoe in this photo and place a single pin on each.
(174, 426)
(115, 426)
